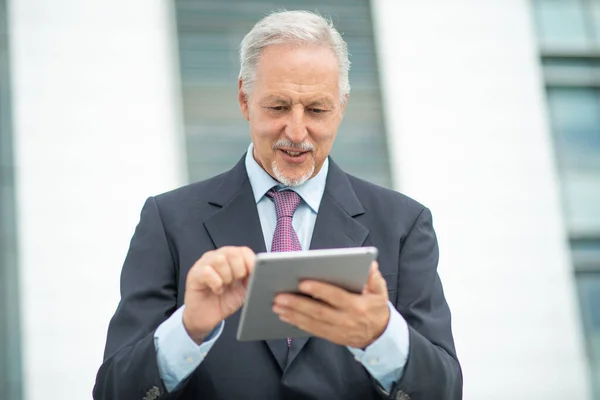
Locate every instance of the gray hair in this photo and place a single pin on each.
(287, 27)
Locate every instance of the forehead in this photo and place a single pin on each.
(290, 70)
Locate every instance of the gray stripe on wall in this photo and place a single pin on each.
(10, 344)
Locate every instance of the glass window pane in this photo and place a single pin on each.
(561, 24)
(575, 114)
(586, 253)
(571, 71)
(595, 14)
(589, 299)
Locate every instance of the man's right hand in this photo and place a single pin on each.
(215, 288)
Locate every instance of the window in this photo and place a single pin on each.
(209, 35)
(569, 37)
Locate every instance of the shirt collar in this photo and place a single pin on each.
(311, 191)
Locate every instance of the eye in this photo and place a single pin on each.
(277, 108)
(317, 110)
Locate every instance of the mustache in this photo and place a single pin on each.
(304, 146)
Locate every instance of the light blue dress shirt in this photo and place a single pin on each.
(178, 355)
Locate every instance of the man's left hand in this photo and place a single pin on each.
(334, 314)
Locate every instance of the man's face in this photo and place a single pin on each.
(294, 110)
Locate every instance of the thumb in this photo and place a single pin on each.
(376, 283)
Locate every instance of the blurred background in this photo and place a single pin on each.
(486, 111)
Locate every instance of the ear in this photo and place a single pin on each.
(243, 100)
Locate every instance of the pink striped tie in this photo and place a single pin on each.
(284, 237)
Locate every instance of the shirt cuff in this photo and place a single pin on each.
(177, 354)
(386, 357)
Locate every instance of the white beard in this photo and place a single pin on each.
(292, 182)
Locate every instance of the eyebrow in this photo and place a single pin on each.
(321, 102)
(275, 99)
(282, 100)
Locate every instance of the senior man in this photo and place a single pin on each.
(184, 278)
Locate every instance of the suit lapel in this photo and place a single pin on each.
(335, 226)
(236, 223)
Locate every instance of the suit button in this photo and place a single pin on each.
(400, 395)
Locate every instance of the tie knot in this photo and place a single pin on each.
(286, 202)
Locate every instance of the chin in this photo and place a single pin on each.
(292, 180)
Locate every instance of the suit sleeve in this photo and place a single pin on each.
(432, 370)
(148, 297)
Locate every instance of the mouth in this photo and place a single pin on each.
(294, 152)
(293, 155)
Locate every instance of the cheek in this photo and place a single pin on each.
(263, 129)
(264, 135)
(323, 138)
(268, 130)
(274, 127)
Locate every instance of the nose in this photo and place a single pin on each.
(296, 129)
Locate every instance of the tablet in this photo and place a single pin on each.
(282, 272)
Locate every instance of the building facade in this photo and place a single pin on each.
(488, 112)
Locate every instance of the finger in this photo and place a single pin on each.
(245, 282)
(237, 264)
(290, 303)
(371, 272)
(383, 283)
(220, 263)
(376, 284)
(249, 259)
(309, 324)
(330, 294)
(209, 278)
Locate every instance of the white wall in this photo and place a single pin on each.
(469, 138)
(97, 130)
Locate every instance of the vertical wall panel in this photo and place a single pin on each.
(464, 103)
(96, 131)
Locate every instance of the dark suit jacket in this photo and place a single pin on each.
(176, 228)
